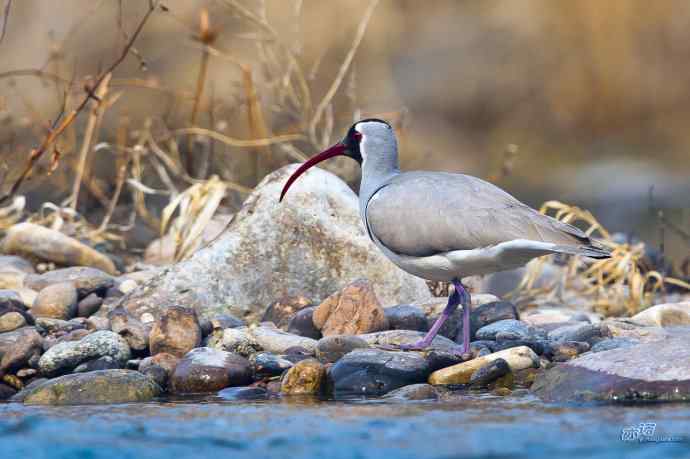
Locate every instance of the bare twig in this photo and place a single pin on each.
(239, 142)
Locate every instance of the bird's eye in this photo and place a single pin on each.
(358, 136)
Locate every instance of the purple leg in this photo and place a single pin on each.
(466, 301)
(453, 301)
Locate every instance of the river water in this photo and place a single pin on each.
(457, 427)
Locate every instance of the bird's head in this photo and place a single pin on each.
(357, 144)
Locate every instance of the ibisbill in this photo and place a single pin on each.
(443, 226)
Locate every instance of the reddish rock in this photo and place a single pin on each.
(352, 311)
(56, 301)
(176, 331)
(206, 370)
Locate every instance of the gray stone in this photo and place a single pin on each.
(95, 387)
(406, 317)
(277, 341)
(65, 356)
(613, 343)
(509, 329)
(205, 370)
(86, 280)
(10, 301)
(101, 363)
(331, 348)
(658, 371)
(15, 263)
(413, 392)
(267, 365)
(49, 326)
(244, 393)
(398, 337)
(302, 324)
(489, 372)
(585, 332)
(89, 305)
(376, 372)
(313, 244)
(6, 391)
(127, 326)
(237, 340)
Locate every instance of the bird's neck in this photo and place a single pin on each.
(379, 164)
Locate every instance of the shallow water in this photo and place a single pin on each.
(462, 427)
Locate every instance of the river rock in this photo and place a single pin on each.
(413, 392)
(583, 332)
(480, 315)
(11, 321)
(39, 242)
(18, 348)
(406, 317)
(67, 355)
(489, 372)
(278, 342)
(244, 393)
(613, 343)
(101, 363)
(57, 301)
(330, 349)
(11, 301)
(376, 372)
(238, 340)
(509, 329)
(127, 326)
(12, 280)
(6, 391)
(279, 312)
(267, 365)
(563, 351)
(96, 387)
(176, 331)
(354, 310)
(159, 367)
(518, 358)
(664, 315)
(397, 337)
(89, 305)
(17, 264)
(86, 280)
(658, 371)
(223, 321)
(625, 328)
(305, 378)
(302, 324)
(489, 313)
(50, 326)
(205, 370)
(312, 244)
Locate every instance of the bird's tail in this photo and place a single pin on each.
(593, 250)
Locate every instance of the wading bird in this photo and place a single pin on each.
(442, 226)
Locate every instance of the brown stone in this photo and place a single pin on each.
(160, 367)
(176, 331)
(131, 329)
(206, 370)
(89, 305)
(18, 347)
(11, 321)
(352, 311)
(305, 378)
(57, 301)
(279, 312)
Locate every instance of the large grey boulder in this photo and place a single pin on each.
(312, 244)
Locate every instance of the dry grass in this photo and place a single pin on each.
(616, 286)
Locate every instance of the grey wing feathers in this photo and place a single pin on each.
(426, 213)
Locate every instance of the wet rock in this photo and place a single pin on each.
(176, 331)
(406, 317)
(613, 343)
(518, 358)
(304, 378)
(18, 348)
(237, 340)
(489, 313)
(538, 346)
(313, 243)
(57, 301)
(584, 332)
(101, 363)
(6, 391)
(11, 302)
(277, 341)
(485, 310)
(65, 356)
(127, 326)
(267, 365)
(279, 312)
(302, 324)
(398, 337)
(656, 371)
(330, 349)
(17, 264)
(86, 280)
(205, 370)
(244, 393)
(564, 351)
(489, 372)
(664, 315)
(49, 326)
(509, 329)
(11, 321)
(89, 305)
(223, 321)
(354, 310)
(376, 372)
(297, 354)
(413, 392)
(39, 242)
(95, 387)
(159, 367)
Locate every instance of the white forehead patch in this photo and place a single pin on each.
(371, 131)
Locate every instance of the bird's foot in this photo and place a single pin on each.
(463, 353)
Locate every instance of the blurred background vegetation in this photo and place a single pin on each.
(586, 102)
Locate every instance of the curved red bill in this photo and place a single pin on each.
(335, 150)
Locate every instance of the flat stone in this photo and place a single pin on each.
(205, 370)
(86, 280)
(398, 337)
(509, 329)
(518, 358)
(489, 372)
(304, 378)
(658, 371)
(302, 324)
(65, 356)
(267, 365)
(89, 305)
(38, 242)
(563, 351)
(57, 301)
(102, 363)
(413, 392)
(96, 387)
(613, 343)
(279, 312)
(352, 311)
(127, 326)
(550, 316)
(277, 341)
(330, 349)
(176, 331)
(50, 326)
(18, 348)
(664, 315)
(584, 332)
(406, 317)
(14, 263)
(11, 321)
(624, 328)
(312, 243)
